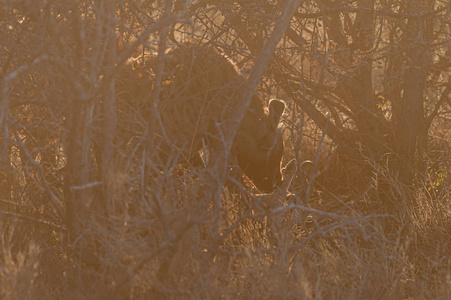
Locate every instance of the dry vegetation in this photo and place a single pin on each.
(88, 211)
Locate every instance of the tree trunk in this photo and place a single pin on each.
(408, 115)
(108, 103)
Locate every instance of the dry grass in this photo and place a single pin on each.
(392, 242)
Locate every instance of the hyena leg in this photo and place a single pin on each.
(234, 181)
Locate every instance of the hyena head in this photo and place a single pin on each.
(259, 145)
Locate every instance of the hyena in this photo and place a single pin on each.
(200, 88)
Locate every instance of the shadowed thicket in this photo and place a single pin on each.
(127, 129)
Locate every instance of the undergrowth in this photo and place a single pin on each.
(391, 241)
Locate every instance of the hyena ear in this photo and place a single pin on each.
(276, 108)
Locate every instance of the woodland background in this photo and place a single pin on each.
(85, 214)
